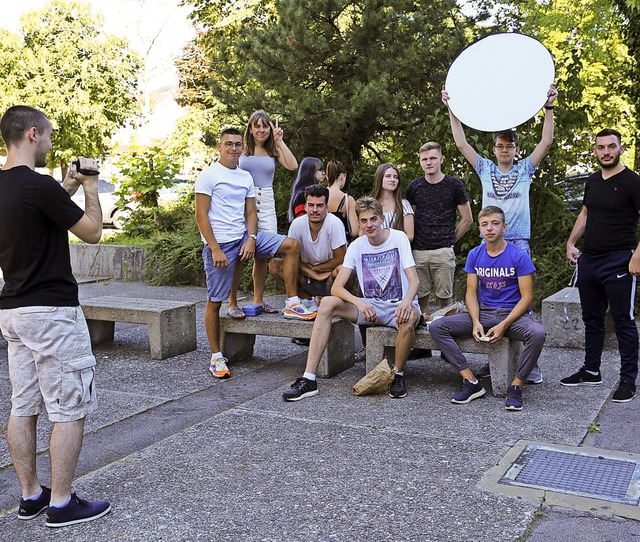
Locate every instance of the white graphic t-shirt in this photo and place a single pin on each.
(381, 269)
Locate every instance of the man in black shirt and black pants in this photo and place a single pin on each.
(609, 265)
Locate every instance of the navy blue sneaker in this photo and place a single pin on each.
(32, 508)
(514, 398)
(76, 511)
(468, 392)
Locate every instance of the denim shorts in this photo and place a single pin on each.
(50, 362)
(219, 279)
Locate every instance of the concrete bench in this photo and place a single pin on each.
(562, 320)
(171, 324)
(503, 355)
(238, 339)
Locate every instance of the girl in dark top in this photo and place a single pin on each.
(311, 171)
(340, 203)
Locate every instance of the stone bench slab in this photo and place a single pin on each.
(238, 339)
(503, 355)
(171, 324)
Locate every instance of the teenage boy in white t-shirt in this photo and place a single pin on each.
(387, 276)
(323, 244)
(228, 223)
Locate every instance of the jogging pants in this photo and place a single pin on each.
(525, 329)
(605, 280)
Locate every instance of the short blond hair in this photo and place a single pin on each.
(431, 146)
(368, 203)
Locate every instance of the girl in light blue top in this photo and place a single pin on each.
(263, 148)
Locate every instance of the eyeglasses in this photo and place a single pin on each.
(322, 172)
(231, 144)
(503, 147)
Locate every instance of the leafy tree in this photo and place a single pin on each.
(344, 75)
(85, 81)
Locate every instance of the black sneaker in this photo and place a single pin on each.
(76, 511)
(582, 378)
(625, 392)
(300, 341)
(32, 508)
(468, 392)
(398, 389)
(484, 371)
(514, 398)
(300, 389)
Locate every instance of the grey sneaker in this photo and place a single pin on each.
(483, 372)
(535, 376)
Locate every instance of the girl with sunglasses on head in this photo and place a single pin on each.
(264, 148)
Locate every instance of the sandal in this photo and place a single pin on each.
(269, 309)
(360, 355)
(236, 313)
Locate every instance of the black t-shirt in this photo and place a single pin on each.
(612, 212)
(35, 215)
(436, 206)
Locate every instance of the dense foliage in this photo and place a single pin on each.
(85, 81)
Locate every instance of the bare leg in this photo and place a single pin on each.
(259, 279)
(424, 304)
(330, 307)
(21, 436)
(64, 449)
(468, 374)
(290, 249)
(212, 324)
(404, 341)
(445, 302)
(237, 275)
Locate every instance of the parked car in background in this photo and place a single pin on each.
(175, 192)
(111, 214)
(574, 191)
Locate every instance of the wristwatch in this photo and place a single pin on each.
(253, 236)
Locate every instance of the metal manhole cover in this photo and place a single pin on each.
(577, 473)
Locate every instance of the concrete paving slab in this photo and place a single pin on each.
(185, 457)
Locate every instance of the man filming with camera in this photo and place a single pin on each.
(51, 365)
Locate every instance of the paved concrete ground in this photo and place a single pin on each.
(183, 457)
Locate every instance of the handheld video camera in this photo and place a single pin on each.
(84, 167)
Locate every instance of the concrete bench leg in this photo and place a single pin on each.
(237, 346)
(338, 356)
(101, 331)
(503, 357)
(375, 351)
(172, 333)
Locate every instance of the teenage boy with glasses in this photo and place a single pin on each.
(228, 224)
(506, 184)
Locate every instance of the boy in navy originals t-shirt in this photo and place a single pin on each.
(499, 297)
